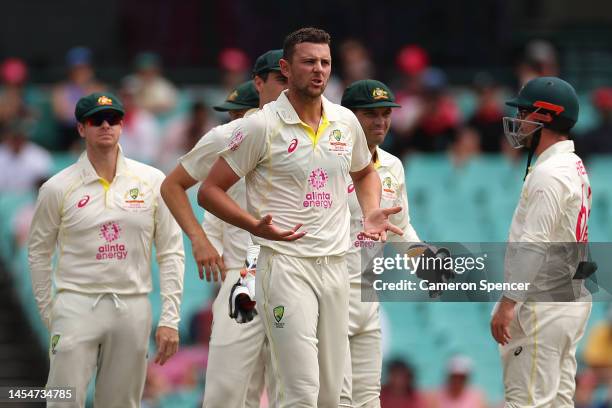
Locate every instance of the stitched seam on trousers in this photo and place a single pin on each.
(534, 357)
(268, 326)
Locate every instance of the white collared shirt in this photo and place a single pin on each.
(229, 240)
(104, 233)
(554, 207)
(299, 176)
(393, 193)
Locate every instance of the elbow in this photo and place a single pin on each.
(202, 193)
(164, 189)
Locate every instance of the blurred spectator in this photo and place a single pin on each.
(540, 59)
(412, 61)
(437, 117)
(487, 119)
(13, 73)
(235, 66)
(140, 137)
(400, 391)
(156, 386)
(22, 163)
(465, 146)
(586, 386)
(200, 325)
(599, 140)
(355, 64)
(81, 81)
(597, 352)
(183, 133)
(457, 393)
(151, 90)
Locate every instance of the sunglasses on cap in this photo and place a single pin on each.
(113, 118)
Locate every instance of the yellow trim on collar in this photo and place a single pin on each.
(104, 183)
(314, 137)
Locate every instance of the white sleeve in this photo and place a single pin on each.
(526, 257)
(199, 160)
(171, 261)
(360, 156)
(41, 246)
(247, 145)
(402, 219)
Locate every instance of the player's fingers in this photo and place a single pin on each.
(395, 229)
(392, 210)
(371, 235)
(294, 236)
(200, 270)
(507, 336)
(161, 349)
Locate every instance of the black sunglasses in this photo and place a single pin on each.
(113, 118)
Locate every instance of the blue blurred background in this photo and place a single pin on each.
(451, 66)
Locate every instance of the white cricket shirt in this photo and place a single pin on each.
(392, 180)
(104, 234)
(299, 176)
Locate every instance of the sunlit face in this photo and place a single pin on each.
(375, 123)
(102, 130)
(309, 69)
(271, 88)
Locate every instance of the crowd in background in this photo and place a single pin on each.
(163, 121)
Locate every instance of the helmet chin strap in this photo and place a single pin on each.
(535, 141)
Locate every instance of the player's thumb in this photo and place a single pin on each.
(267, 219)
(392, 210)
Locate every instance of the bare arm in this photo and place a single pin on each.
(213, 197)
(367, 188)
(173, 191)
(376, 219)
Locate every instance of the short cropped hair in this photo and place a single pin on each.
(303, 35)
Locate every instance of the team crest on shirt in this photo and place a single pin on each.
(389, 188)
(337, 142)
(236, 141)
(133, 199)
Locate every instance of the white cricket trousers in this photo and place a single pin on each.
(105, 333)
(238, 356)
(361, 385)
(540, 360)
(304, 306)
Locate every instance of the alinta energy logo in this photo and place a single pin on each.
(111, 231)
(317, 180)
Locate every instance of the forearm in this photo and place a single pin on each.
(212, 198)
(176, 199)
(41, 286)
(368, 190)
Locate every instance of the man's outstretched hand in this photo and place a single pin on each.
(376, 223)
(265, 228)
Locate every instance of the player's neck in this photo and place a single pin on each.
(548, 139)
(104, 161)
(308, 109)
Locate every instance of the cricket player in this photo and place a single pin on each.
(238, 356)
(101, 217)
(538, 338)
(295, 155)
(371, 101)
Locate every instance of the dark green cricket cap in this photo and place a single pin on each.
(97, 102)
(368, 93)
(268, 61)
(245, 96)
